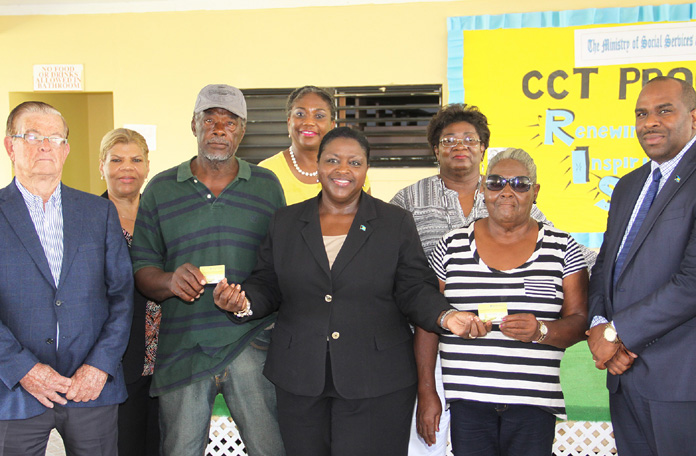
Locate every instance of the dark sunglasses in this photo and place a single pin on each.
(519, 184)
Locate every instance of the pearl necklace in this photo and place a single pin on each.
(294, 162)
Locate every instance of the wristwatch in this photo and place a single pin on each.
(610, 334)
(543, 332)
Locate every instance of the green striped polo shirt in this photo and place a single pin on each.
(181, 221)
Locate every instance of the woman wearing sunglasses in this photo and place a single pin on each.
(458, 136)
(527, 282)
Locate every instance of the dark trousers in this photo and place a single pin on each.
(645, 427)
(330, 425)
(86, 431)
(488, 429)
(138, 424)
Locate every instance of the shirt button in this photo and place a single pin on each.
(209, 196)
(59, 303)
(195, 181)
(328, 298)
(49, 341)
(335, 335)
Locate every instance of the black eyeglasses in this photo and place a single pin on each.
(519, 184)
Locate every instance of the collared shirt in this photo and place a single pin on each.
(48, 222)
(666, 169)
(181, 221)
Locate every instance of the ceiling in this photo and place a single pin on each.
(32, 7)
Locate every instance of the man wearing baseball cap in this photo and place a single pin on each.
(199, 222)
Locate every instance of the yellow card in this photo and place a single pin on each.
(493, 312)
(213, 274)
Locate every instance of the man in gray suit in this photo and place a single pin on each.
(643, 286)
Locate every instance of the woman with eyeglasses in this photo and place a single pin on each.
(459, 136)
(528, 283)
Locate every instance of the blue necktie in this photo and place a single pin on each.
(640, 217)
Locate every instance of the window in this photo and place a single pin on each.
(393, 118)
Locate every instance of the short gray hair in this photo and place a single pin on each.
(29, 107)
(519, 156)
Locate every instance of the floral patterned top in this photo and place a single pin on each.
(153, 316)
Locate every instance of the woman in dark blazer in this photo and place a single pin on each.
(124, 165)
(346, 273)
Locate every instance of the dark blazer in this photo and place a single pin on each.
(93, 303)
(360, 309)
(134, 357)
(653, 304)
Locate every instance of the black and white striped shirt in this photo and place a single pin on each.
(496, 368)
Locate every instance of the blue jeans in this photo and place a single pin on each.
(488, 429)
(185, 413)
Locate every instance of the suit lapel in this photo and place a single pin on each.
(684, 170)
(72, 229)
(359, 233)
(311, 233)
(15, 210)
(624, 216)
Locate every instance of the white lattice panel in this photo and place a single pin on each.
(224, 438)
(581, 438)
(573, 438)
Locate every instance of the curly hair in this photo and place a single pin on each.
(458, 112)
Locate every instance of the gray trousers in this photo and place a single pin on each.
(86, 431)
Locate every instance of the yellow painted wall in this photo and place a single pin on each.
(155, 63)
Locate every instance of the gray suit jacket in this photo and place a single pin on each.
(653, 303)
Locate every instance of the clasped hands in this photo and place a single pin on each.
(47, 385)
(614, 357)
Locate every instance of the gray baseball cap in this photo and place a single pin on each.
(221, 96)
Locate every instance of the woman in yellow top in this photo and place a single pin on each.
(311, 112)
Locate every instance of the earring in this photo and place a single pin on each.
(102, 177)
(534, 201)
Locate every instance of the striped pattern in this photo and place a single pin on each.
(180, 221)
(48, 222)
(497, 368)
